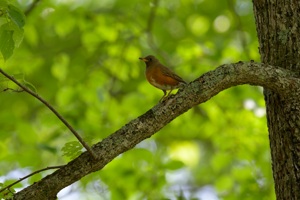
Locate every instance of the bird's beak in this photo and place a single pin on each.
(143, 59)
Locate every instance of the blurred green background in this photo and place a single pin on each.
(82, 56)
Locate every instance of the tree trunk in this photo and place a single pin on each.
(278, 29)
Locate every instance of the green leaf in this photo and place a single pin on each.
(8, 193)
(29, 85)
(7, 43)
(174, 165)
(12, 21)
(18, 36)
(72, 149)
(16, 15)
(3, 7)
(2, 61)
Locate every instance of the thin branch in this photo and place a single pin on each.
(33, 173)
(13, 90)
(198, 91)
(26, 89)
(31, 7)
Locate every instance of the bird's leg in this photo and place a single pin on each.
(161, 100)
(169, 93)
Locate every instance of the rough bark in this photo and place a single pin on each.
(202, 89)
(278, 29)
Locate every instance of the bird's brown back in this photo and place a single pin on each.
(162, 77)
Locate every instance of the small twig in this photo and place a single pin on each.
(53, 110)
(14, 90)
(33, 173)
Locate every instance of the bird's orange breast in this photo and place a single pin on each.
(157, 78)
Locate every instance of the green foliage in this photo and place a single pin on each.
(12, 21)
(7, 194)
(72, 149)
(29, 85)
(82, 56)
(7, 43)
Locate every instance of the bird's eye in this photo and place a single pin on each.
(150, 59)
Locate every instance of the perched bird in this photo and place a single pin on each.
(160, 76)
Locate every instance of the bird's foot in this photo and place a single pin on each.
(165, 98)
(162, 100)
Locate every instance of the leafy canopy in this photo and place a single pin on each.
(82, 56)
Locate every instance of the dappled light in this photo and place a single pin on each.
(83, 58)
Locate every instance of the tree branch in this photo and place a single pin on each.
(26, 89)
(196, 92)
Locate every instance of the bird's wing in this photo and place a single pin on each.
(170, 73)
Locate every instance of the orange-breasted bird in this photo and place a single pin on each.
(160, 76)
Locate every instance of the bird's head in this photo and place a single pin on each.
(149, 60)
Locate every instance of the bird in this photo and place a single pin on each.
(161, 77)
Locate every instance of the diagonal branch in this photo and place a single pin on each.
(26, 89)
(200, 90)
